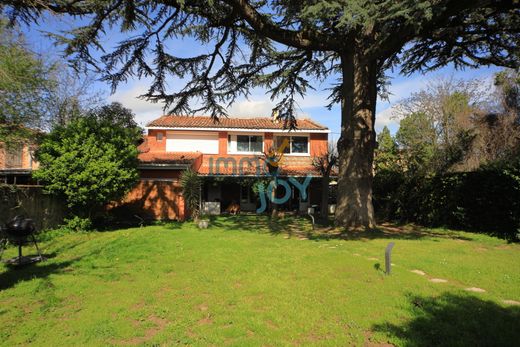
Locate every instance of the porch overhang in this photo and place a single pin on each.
(164, 166)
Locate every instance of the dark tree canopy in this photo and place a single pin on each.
(283, 46)
(246, 39)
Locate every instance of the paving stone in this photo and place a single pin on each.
(476, 290)
(511, 302)
(438, 280)
(419, 272)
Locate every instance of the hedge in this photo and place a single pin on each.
(487, 200)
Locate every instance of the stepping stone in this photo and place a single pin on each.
(438, 280)
(419, 272)
(511, 302)
(357, 254)
(475, 289)
(372, 258)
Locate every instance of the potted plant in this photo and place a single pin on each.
(203, 221)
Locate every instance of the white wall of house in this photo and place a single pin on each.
(192, 141)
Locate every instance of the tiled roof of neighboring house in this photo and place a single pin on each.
(237, 123)
(168, 157)
(143, 147)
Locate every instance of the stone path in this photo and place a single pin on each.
(438, 280)
(475, 290)
(442, 280)
(435, 280)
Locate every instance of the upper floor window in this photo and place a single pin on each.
(249, 143)
(14, 156)
(294, 144)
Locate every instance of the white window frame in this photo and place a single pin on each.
(233, 146)
(308, 153)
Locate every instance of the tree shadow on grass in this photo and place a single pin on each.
(301, 226)
(290, 225)
(456, 320)
(16, 274)
(408, 232)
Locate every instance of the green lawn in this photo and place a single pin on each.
(245, 283)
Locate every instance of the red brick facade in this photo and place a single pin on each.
(159, 194)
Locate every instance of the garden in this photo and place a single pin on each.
(248, 281)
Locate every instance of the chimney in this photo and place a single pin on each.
(275, 115)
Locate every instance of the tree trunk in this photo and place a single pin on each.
(274, 205)
(324, 208)
(356, 144)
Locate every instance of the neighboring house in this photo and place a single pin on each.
(227, 154)
(17, 163)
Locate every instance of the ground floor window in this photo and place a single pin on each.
(246, 195)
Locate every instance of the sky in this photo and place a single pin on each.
(258, 103)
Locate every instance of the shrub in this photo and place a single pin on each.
(191, 184)
(92, 160)
(487, 200)
(76, 223)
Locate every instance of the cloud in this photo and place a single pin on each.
(257, 105)
(404, 89)
(387, 117)
(261, 107)
(145, 111)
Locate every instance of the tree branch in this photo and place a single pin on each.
(304, 39)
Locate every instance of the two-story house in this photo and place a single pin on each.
(17, 163)
(228, 154)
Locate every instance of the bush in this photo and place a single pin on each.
(77, 224)
(487, 200)
(92, 160)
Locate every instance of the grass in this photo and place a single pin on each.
(245, 282)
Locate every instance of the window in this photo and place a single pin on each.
(249, 143)
(280, 142)
(299, 144)
(295, 144)
(13, 156)
(159, 137)
(247, 195)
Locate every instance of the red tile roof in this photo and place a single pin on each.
(290, 166)
(168, 157)
(238, 123)
(144, 147)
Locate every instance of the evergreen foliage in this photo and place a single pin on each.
(282, 45)
(92, 160)
(191, 184)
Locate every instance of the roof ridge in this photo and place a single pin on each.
(312, 121)
(230, 122)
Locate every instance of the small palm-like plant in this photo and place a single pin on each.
(191, 184)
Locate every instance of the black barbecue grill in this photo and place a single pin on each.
(19, 231)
